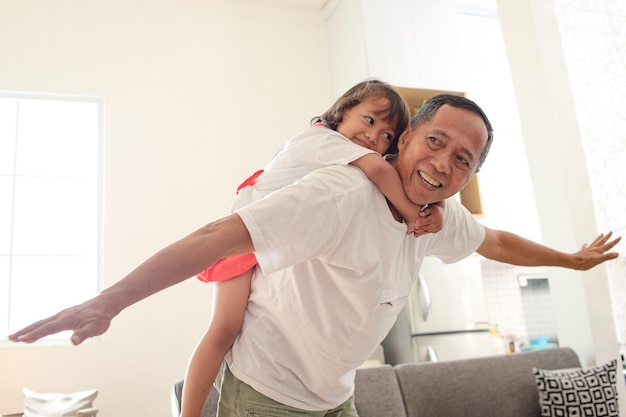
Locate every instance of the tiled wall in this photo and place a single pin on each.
(538, 309)
(520, 313)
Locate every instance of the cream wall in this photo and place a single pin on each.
(198, 95)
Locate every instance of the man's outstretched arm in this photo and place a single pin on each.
(171, 265)
(513, 249)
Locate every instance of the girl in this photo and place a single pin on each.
(371, 115)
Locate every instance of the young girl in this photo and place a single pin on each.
(371, 115)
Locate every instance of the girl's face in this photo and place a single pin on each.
(361, 125)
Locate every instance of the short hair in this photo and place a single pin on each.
(430, 107)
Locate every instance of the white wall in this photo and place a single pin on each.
(198, 95)
(399, 41)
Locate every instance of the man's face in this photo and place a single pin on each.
(439, 157)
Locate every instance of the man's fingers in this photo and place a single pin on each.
(51, 326)
(612, 243)
(602, 242)
(91, 328)
(77, 339)
(36, 331)
(54, 324)
(600, 239)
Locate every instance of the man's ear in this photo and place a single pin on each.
(404, 136)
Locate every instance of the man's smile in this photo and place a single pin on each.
(428, 179)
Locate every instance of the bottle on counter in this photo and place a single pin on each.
(497, 340)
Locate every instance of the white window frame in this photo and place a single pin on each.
(58, 286)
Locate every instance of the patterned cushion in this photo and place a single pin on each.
(578, 392)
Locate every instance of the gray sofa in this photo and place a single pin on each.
(495, 386)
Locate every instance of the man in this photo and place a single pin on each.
(335, 267)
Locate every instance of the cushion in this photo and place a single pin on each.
(578, 392)
(56, 405)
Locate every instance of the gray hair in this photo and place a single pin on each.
(427, 111)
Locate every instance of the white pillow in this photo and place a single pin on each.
(56, 405)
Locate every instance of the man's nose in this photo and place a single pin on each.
(441, 162)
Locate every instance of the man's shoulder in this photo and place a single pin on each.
(347, 186)
(460, 236)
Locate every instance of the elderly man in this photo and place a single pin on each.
(335, 267)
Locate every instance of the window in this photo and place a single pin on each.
(50, 199)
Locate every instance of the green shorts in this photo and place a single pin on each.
(238, 399)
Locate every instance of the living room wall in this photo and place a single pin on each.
(198, 95)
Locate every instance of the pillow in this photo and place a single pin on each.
(56, 405)
(578, 392)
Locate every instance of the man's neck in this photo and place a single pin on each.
(394, 212)
(391, 158)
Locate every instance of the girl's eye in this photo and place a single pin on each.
(388, 136)
(369, 120)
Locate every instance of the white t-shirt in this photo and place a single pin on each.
(337, 268)
(311, 149)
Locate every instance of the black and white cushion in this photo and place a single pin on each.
(589, 392)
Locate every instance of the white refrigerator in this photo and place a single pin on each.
(447, 312)
(445, 317)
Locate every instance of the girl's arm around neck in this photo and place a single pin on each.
(388, 181)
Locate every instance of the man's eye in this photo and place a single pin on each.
(369, 120)
(434, 140)
(463, 161)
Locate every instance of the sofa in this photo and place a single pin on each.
(494, 386)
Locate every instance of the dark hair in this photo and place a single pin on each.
(427, 111)
(397, 112)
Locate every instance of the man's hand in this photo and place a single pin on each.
(513, 249)
(86, 320)
(596, 252)
(169, 266)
